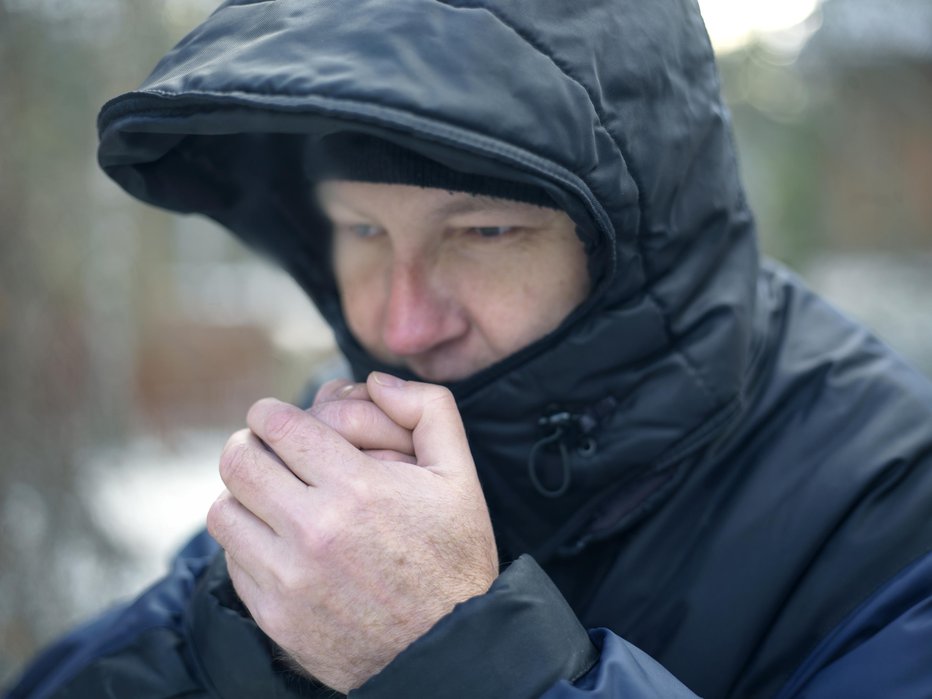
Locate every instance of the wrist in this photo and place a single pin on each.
(515, 640)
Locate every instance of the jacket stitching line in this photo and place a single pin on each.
(387, 116)
(392, 117)
(616, 141)
(540, 49)
(688, 363)
(690, 366)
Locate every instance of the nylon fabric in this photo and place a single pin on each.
(760, 465)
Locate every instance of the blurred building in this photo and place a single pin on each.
(871, 60)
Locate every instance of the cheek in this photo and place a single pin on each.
(360, 298)
(358, 309)
(519, 297)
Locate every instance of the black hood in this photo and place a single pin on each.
(612, 106)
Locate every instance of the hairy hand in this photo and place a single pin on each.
(344, 558)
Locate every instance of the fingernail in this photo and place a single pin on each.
(387, 379)
(345, 391)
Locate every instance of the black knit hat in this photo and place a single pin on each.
(363, 158)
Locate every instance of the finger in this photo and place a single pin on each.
(430, 412)
(247, 588)
(364, 425)
(255, 596)
(260, 482)
(239, 532)
(341, 389)
(389, 455)
(312, 450)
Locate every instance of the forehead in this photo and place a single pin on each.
(372, 199)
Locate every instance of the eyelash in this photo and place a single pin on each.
(366, 230)
(490, 231)
(363, 230)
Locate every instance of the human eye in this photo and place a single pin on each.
(359, 230)
(490, 231)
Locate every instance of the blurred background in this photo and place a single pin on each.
(132, 341)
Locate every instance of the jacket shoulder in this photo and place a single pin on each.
(127, 643)
(883, 648)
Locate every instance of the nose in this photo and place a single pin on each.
(421, 312)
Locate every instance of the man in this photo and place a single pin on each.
(525, 225)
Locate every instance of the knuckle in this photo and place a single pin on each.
(257, 409)
(345, 417)
(440, 396)
(389, 455)
(282, 423)
(291, 578)
(330, 389)
(266, 614)
(214, 521)
(353, 417)
(298, 522)
(321, 539)
(218, 517)
(325, 411)
(363, 495)
(235, 460)
(272, 419)
(237, 439)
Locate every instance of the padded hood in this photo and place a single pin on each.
(612, 106)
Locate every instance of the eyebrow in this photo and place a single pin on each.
(328, 201)
(468, 203)
(461, 203)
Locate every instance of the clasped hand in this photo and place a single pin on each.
(351, 528)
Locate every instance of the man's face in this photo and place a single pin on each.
(448, 283)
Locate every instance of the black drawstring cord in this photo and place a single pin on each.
(557, 436)
(566, 425)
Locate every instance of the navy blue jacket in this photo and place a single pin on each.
(723, 480)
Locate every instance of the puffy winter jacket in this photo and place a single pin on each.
(727, 482)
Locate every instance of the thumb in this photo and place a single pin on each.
(430, 412)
